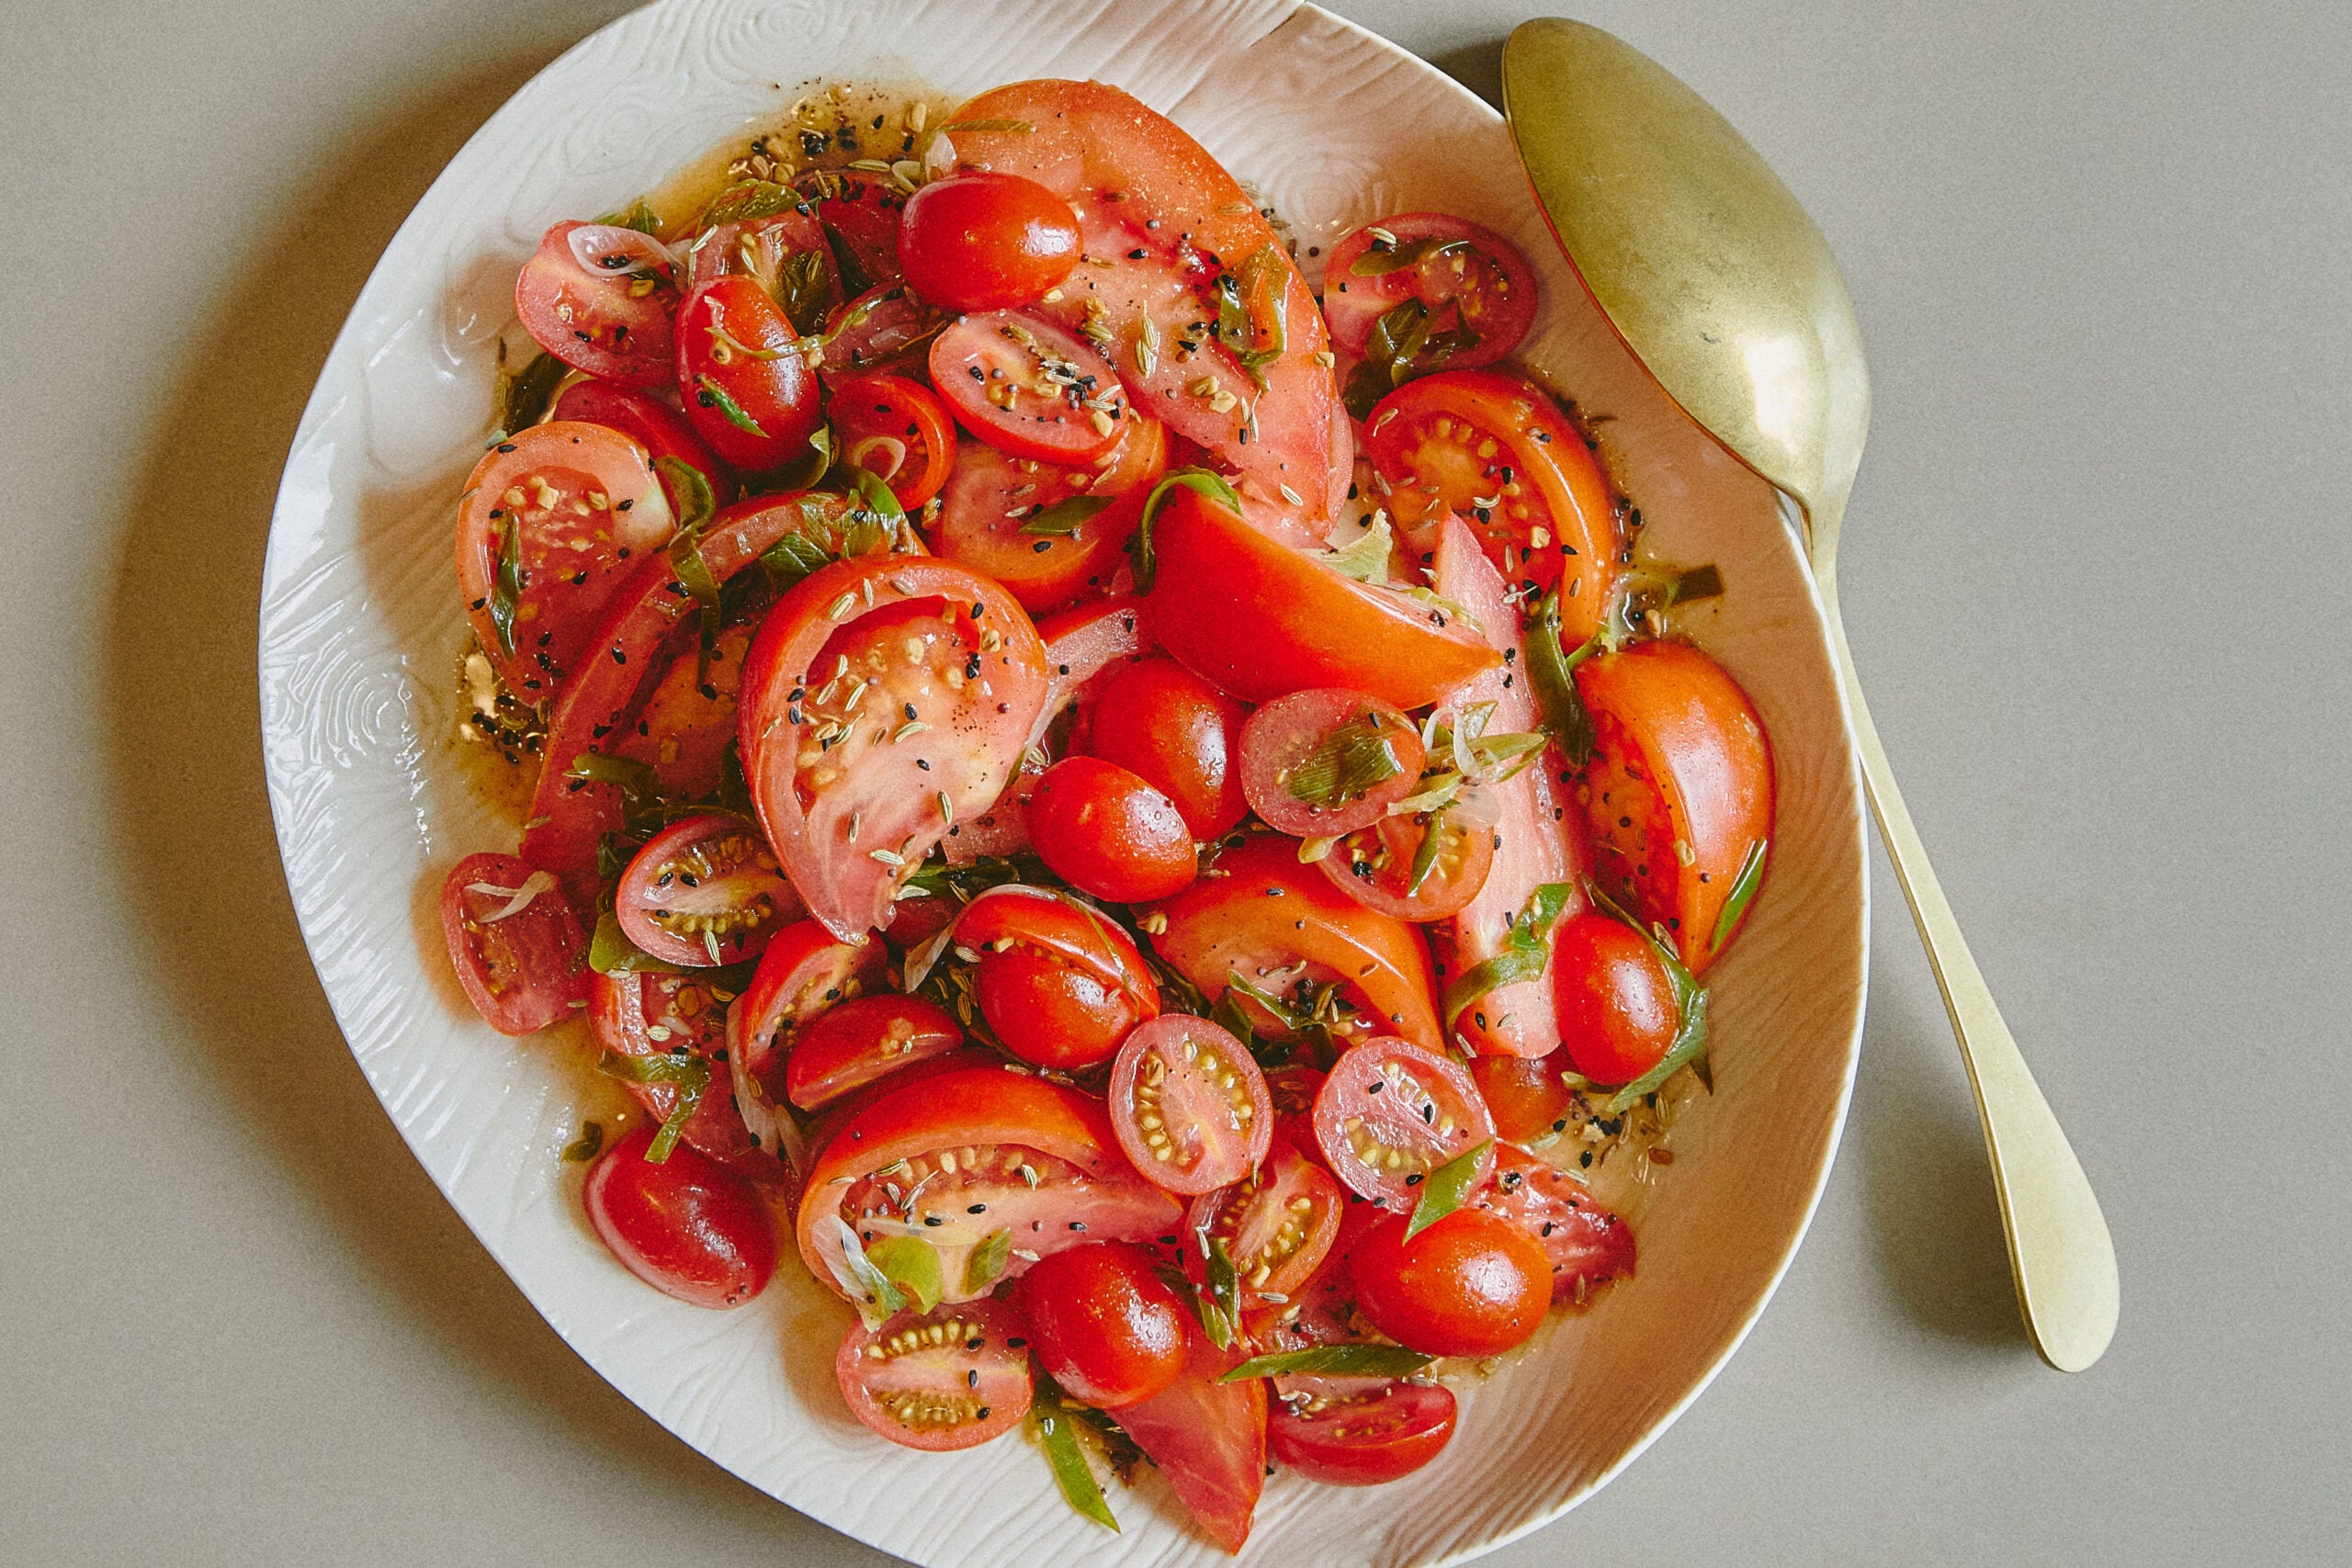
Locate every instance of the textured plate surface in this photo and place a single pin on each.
(360, 628)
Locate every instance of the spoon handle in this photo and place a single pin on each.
(2059, 1246)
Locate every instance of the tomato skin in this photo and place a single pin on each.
(862, 1041)
(1283, 733)
(1587, 1245)
(863, 219)
(1366, 1440)
(1472, 1284)
(804, 972)
(1105, 831)
(1274, 1245)
(989, 497)
(886, 328)
(626, 1007)
(1490, 289)
(1208, 1439)
(653, 425)
(1526, 1094)
(598, 323)
(1179, 734)
(1061, 985)
(1373, 866)
(1102, 1324)
(1616, 1005)
(898, 431)
(525, 971)
(953, 1392)
(689, 1227)
(984, 241)
(1389, 1113)
(994, 369)
(1258, 619)
(1189, 1105)
(778, 395)
(1680, 757)
(716, 861)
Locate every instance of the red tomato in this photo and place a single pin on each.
(513, 942)
(703, 891)
(1616, 1005)
(1497, 450)
(984, 241)
(886, 328)
(1083, 645)
(1526, 1095)
(1391, 1112)
(740, 372)
(862, 218)
(1177, 732)
(530, 502)
(1536, 844)
(646, 1015)
(964, 1137)
(1364, 1440)
(1260, 619)
(990, 498)
(764, 249)
(1029, 387)
(1276, 1223)
(852, 665)
(1177, 231)
(803, 972)
(689, 1226)
(1377, 865)
(1680, 764)
(1472, 1284)
(1104, 831)
(685, 723)
(862, 1041)
(1102, 1324)
(1327, 762)
(1588, 1245)
(952, 1379)
(598, 297)
(1468, 279)
(1189, 1105)
(1208, 1439)
(1268, 918)
(1060, 985)
(662, 430)
(895, 430)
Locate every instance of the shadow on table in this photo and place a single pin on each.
(183, 717)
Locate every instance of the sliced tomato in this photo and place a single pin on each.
(1365, 1440)
(548, 529)
(863, 1040)
(653, 425)
(886, 328)
(1059, 984)
(942, 1159)
(703, 891)
(1526, 1095)
(1587, 1245)
(1208, 1439)
(1177, 732)
(1175, 228)
(1283, 928)
(763, 249)
(1471, 282)
(1327, 761)
(1108, 833)
(990, 498)
(1474, 1283)
(599, 298)
(686, 1225)
(1496, 451)
(514, 943)
(1392, 866)
(884, 699)
(1678, 795)
(1391, 1112)
(803, 972)
(862, 218)
(1189, 1104)
(1102, 1323)
(1277, 1223)
(1027, 386)
(1536, 840)
(1259, 619)
(685, 721)
(985, 240)
(895, 430)
(680, 1015)
(953, 1378)
(748, 388)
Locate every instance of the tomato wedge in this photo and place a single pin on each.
(952, 1379)
(1260, 619)
(862, 218)
(1587, 1245)
(547, 532)
(703, 891)
(1327, 762)
(896, 431)
(1277, 1223)
(1678, 795)
(884, 699)
(513, 942)
(1028, 386)
(1466, 279)
(863, 1040)
(685, 721)
(1189, 1105)
(1365, 1439)
(943, 1160)
(1390, 1112)
(598, 297)
(1208, 1439)
(1283, 928)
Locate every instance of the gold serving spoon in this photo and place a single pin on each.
(1726, 291)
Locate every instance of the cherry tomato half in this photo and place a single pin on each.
(1326, 761)
(1390, 1112)
(1029, 386)
(1469, 279)
(1189, 1104)
(1392, 867)
(1104, 831)
(1102, 1324)
(653, 425)
(1526, 1095)
(598, 297)
(982, 241)
(1365, 1439)
(896, 431)
(862, 1041)
(1007, 516)
(886, 328)
(952, 1379)
(1060, 985)
(689, 1226)
(1177, 732)
(1472, 1284)
(704, 892)
(1276, 1223)
(645, 1015)
(513, 942)
(747, 387)
(1615, 1002)
(1587, 1245)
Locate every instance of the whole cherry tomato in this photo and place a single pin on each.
(981, 241)
(1105, 831)
(1472, 1284)
(1102, 1324)
(1179, 734)
(1615, 1003)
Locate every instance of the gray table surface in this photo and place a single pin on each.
(2096, 575)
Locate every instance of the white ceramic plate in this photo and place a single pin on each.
(360, 628)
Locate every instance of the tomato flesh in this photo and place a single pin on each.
(1361, 1441)
(1276, 1223)
(1026, 386)
(1327, 762)
(1102, 1324)
(686, 720)
(1472, 1284)
(662, 430)
(1189, 1104)
(704, 892)
(1177, 733)
(610, 318)
(1526, 1095)
(983, 241)
(748, 388)
(1382, 866)
(1468, 278)
(513, 942)
(886, 328)
(896, 430)
(1208, 1439)
(863, 1040)
(952, 1379)
(646, 1015)
(1390, 1112)
(990, 498)
(1105, 831)
(1586, 1244)
(688, 1226)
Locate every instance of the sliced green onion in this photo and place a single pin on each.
(1448, 1186)
(913, 1265)
(880, 499)
(1333, 1360)
(876, 1297)
(752, 198)
(1743, 889)
(1524, 954)
(1223, 1291)
(1346, 764)
(728, 406)
(1689, 1048)
(1071, 1473)
(802, 288)
(1065, 517)
(690, 1075)
(1284, 1014)
(610, 951)
(524, 396)
(1365, 559)
(985, 1264)
(1550, 668)
(507, 592)
(1425, 853)
(962, 125)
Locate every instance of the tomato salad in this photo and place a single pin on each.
(1139, 821)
